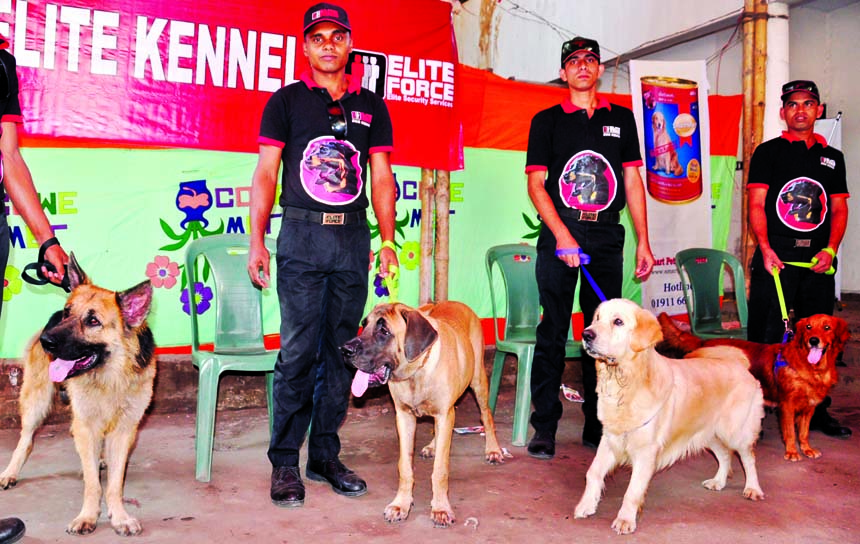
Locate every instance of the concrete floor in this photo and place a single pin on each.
(809, 501)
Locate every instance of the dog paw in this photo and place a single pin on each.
(495, 457)
(810, 452)
(713, 484)
(792, 456)
(753, 494)
(8, 481)
(624, 526)
(427, 452)
(583, 511)
(81, 526)
(442, 518)
(127, 527)
(394, 513)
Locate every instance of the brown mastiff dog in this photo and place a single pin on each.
(428, 357)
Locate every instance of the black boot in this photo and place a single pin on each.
(11, 530)
(827, 424)
(542, 445)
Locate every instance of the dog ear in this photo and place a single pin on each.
(420, 334)
(842, 332)
(77, 276)
(135, 303)
(647, 333)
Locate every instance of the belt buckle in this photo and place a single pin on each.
(802, 243)
(587, 216)
(332, 218)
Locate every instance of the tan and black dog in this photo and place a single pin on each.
(101, 348)
(428, 357)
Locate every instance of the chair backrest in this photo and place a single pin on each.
(516, 263)
(705, 268)
(238, 306)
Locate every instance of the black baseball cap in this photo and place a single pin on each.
(576, 45)
(324, 11)
(800, 85)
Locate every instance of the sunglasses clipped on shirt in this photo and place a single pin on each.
(337, 119)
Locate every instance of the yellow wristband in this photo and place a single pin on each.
(829, 251)
(390, 245)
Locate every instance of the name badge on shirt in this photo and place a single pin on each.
(829, 163)
(614, 132)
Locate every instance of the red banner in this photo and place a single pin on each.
(184, 73)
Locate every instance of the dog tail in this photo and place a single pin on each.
(676, 342)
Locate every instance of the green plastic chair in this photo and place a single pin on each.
(516, 263)
(704, 267)
(238, 334)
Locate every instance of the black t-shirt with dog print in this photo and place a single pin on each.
(800, 182)
(584, 157)
(320, 172)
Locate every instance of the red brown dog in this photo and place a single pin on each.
(795, 376)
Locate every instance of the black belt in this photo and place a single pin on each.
(325, 218)
(786, 241)
(590, 217)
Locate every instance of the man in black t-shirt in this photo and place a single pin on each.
(325, 130)
(798, 211)
(15, 178)
(583, 168)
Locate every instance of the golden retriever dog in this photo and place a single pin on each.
(101, 348)
(795, 376)
(656, 410)
(428, 357)
(666, 158)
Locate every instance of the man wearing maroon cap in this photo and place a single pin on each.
(325, 130)
(798, 211)
(583, 169)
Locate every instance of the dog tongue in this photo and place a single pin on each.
(59, 369)
(814, 355)
(359, 383)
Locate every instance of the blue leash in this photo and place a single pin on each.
(584, 259)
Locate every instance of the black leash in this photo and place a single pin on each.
(40, 278)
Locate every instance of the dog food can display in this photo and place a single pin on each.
(673, 151)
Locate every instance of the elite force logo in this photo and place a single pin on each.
(400, 78)
(802, 204)
(371, 67)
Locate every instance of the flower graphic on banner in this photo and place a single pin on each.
(11, 283)
(193, 199)
(162, 272)
(410, 255)
(201, 300)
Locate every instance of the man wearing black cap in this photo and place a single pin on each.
(798, 211)
(583, 168)
(323, 129)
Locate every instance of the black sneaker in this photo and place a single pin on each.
(542, 445)
(342, 480)
(288, 490)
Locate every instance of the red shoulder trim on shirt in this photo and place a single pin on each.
(380, 149)
(10, 118)
(269, 141)
(570, 107)
(756, 186)
(535, 168)
(636, 163)
(818, 138)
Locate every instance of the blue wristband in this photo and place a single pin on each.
(583, 257)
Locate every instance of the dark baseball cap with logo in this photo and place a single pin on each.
(800, 86)
(324, 11)
(576, 45)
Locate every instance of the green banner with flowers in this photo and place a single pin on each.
(128, 215)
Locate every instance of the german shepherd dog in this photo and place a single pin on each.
(101, 348)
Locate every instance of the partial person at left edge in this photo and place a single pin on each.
(16, 180)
